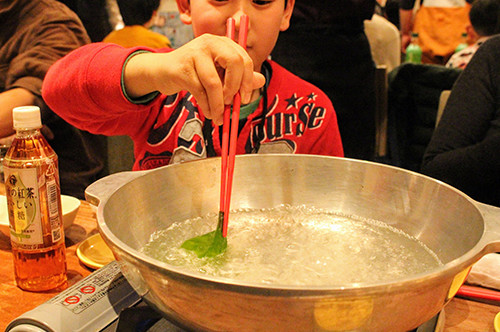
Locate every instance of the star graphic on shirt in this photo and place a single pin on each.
(292, 101)
(312, 96)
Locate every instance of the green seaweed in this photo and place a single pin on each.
(210, 244)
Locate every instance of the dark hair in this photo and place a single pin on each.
(137, 12)
(485, 17)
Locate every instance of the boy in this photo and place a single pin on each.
(164, 100)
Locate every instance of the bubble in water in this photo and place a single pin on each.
(297, 246)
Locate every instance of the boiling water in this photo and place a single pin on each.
(297, 246)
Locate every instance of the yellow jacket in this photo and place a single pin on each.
(137, 35)
(440, 24)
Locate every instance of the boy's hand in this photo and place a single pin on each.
(213, 68)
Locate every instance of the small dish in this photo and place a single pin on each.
(94, 253)
(4, 216)
(70, 206)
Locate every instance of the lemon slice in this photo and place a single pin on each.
(496, 322)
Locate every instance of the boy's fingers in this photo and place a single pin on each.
(258, 81)
(247, 82)
(238, 70)
(235, 63)
(220, 72)
(210, 89)
(233, 73)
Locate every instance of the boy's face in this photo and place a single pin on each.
(267, 18)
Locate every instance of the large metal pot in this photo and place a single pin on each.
(132, 205)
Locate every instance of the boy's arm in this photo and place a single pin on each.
(84, 88)
(212, 68)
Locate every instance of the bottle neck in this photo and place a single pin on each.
(24, 133)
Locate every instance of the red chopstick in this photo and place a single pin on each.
(230, 139)
(225, 139)
(478, 293)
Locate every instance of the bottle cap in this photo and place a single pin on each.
(27, 328)
(26, 117)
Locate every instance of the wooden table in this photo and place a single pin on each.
(460, 314)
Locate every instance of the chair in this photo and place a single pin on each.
(443, 98)
(414, 92)
(381, 111)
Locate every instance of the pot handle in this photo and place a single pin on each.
(103, 188)
(491, 237)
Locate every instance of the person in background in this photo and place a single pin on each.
(327, 46)
(94, 16)
(439, 24)
(33, 35)
(380, 7)
(384, 40)
(138, 17)
(484, 22)
(171, 102)
(464, 149)
(391, 11)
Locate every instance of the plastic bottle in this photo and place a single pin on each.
(463, 43)
(34, 206)
(414, 51)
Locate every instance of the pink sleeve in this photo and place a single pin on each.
(84, 88)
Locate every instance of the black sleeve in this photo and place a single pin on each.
(407, 4)
(334, 12)
(366, 8)
(464, 149)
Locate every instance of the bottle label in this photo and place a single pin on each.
(24, 206)
(53, 203)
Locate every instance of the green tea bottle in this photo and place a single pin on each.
(414, 51)
(34, 205)
(463, 44)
